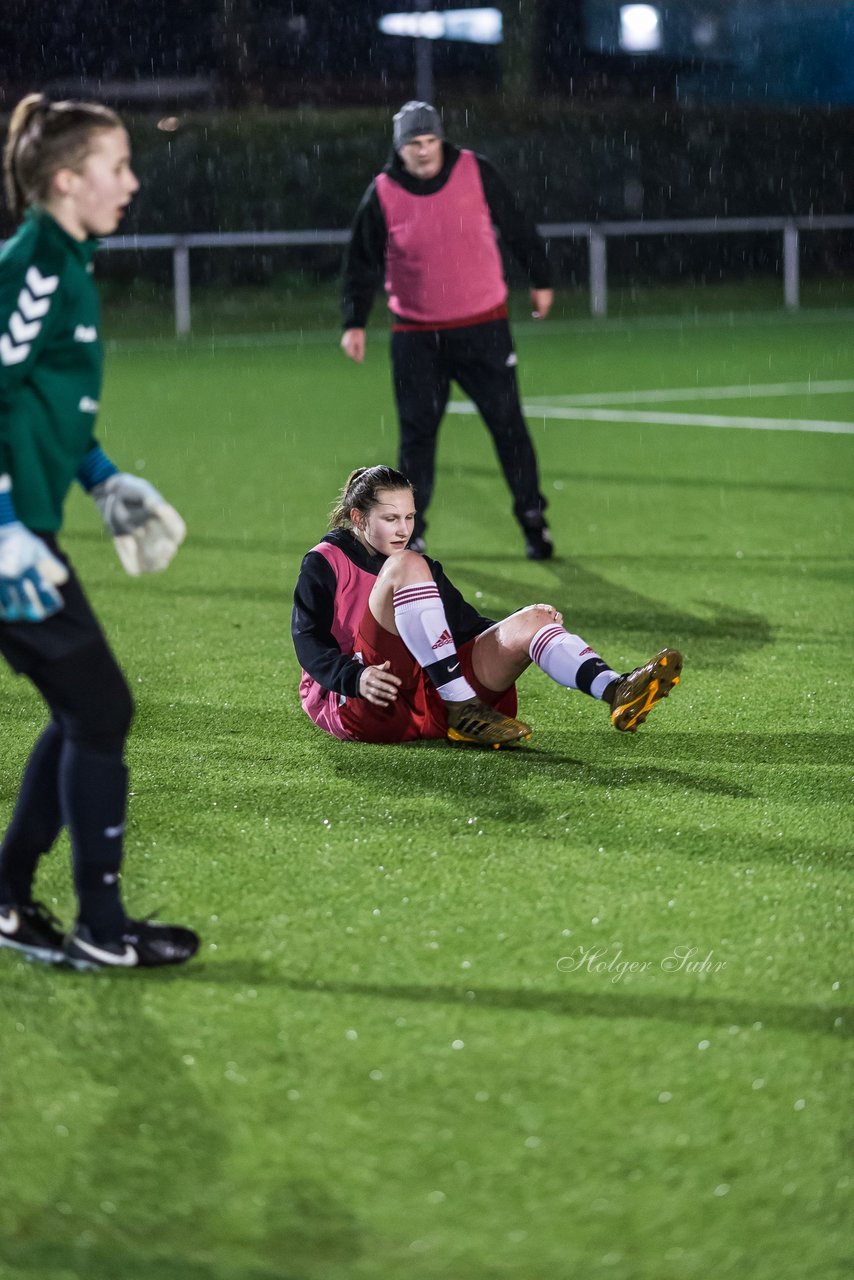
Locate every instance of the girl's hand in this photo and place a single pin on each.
(378, 685)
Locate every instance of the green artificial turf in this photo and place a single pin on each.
(401, 1054)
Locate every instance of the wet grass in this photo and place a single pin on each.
(574, 1010)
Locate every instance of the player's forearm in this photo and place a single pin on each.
(364, 262)
(355, 309)
(95, 467)
(336, 671)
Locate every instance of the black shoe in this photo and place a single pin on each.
(31, 929)
(144, 944)
(417, 544)
(538, 541)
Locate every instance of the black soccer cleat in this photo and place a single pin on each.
(632, 697)
(538, 540)
(32, 930)
(144, 944)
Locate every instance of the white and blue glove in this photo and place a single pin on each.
(145, 529)
(29, 571)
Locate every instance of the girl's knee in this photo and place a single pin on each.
(104, 724)
(90, 698)
(535, 616)
(403, 567)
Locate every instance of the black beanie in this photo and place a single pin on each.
(414, 119)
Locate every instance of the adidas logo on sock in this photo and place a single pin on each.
(444, 638)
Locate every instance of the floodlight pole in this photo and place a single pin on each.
(423, 60)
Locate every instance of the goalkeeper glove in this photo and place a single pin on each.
(29, 571)
(145, 529)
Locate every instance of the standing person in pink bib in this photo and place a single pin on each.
(429, 222)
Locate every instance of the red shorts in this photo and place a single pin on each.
(418, 711)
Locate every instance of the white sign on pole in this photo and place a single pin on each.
(475, 26)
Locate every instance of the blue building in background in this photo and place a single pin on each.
(770, 52)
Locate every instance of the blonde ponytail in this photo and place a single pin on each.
(44, 137)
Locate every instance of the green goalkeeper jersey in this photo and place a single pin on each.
(51, 362)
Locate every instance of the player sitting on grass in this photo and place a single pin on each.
(67, 169)
(391, 651)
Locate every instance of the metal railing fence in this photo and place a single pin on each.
(596, 234)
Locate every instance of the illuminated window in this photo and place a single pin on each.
(640, 28)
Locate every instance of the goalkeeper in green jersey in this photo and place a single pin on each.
(67, 172)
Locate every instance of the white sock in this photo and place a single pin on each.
(570, 661)
(419, 616)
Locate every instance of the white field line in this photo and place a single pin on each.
(672, 419)
(755, 390)
(589, 407)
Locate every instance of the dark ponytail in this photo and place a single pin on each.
(44, 137)
(360, 491)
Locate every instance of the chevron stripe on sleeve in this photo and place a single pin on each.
(26, 321)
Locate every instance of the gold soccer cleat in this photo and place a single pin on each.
(636, 694)
(475, 721)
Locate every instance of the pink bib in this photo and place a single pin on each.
(353, 586)
(442, 262)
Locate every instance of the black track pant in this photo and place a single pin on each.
(481, 359)
(75, 776)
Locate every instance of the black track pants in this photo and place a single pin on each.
(481, 359)
(75, 776)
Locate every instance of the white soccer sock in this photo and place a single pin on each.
(419, 616)
(570, 661)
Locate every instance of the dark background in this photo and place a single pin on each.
(784, 52)
(282, 115)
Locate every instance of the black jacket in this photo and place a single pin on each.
(364, 261)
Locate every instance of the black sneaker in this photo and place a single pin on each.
(538, 540)
(417, 544)
(144, 944)
(31, 929)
